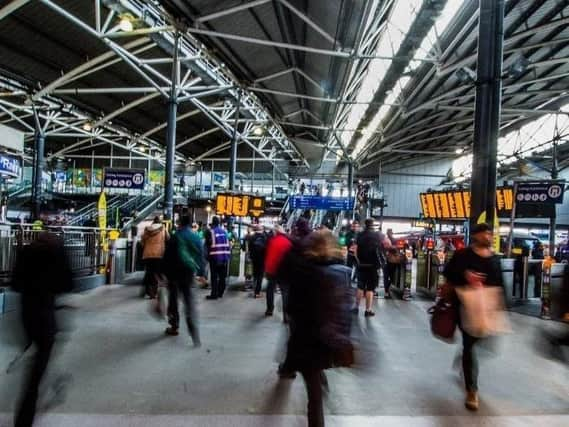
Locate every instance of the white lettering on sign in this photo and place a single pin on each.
(138, 178)
(554, 191)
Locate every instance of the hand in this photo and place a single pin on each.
(474, 278)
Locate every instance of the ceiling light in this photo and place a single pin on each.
(465, 75)
(126, 24)
(142, 148)
(258, 131)
(459, 150)
(518, 67)
(87, 126)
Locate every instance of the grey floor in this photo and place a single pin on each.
(125, 372)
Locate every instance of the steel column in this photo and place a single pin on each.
(487, 112)
(350, 178)
(553, 219)
(39, 166)
(234, 143)
(171, 140)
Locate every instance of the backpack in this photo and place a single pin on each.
(258, 246)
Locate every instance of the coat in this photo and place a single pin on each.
(154, 241)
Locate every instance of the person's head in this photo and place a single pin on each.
(301, 228)
(355, 225)
(369, 223)
(390, 232)
(185, 221)
(195, 227)
(156, 220)
(481, 235)
(215, 221)
(321, 245)
(258, 228)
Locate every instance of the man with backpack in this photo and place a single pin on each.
(182, 261)
(218, 253)
(257, 249)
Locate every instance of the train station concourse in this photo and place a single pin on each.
(284, 213)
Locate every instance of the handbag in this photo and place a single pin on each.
(482, 311)
(444, 319)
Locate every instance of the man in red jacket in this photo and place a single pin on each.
(277, 248)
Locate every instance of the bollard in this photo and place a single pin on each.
(546, 289)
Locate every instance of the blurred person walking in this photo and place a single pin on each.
(351, 239)
(218, 254)
(257, 249)
(277, 247)
(472, 268)
(319, 311)
(183, 259)
(153, 246)
(369, 258)
(42, 271)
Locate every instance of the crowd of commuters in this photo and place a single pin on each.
(312, 270)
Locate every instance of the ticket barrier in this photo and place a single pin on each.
(430, 267)
(555, 282)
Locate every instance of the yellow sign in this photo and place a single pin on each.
(239, 205)
(114, 234)
(102, 211)
(455, 204)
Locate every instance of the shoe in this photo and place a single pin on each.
(210, 297)
(268, 313)
(369, 313)
(285, 374)
(387, 296)
(471, 401)
(355, 310)
(256, 296)
(171, 331)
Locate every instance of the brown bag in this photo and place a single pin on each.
(482, 311)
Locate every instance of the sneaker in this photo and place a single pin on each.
(171, 331)
(210, 297)
(369, 313)
(286, 374)
(471, 401)
(355, 310)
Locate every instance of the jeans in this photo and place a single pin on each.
(258, 273)
(469, 362)
(218, 278)
(149, 282)
(313, 383)
(271, 284)
(182, 284)
(40, 330)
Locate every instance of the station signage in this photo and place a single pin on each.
(422, 223)
(239, 205)
(455, 204)
(10, 166)
(540, 192)
(126, 179)
(322, 203)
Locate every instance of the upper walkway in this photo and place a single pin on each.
(126, 372)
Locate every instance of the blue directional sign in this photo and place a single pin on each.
(127, 179)
(540, 192)
(322, 203)
(10, 166)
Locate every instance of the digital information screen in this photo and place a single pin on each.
(239, 205)
(456, 204)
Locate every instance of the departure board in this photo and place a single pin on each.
(239, 205)
(455, 204)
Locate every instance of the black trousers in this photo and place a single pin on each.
(258, 274)
(40, 329)
(218, 278)
(149, 283)
(181, 285)
(469, 361)
(271, 285)
(388, 273)
(313, 382)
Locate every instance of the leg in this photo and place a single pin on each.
(214, 281)
(469, 362)
(258, 277)
(222, 279)
(359, 296)
(173, 314)
(369, 301)
(190, 311)
(313, 382)
(270, 296)
(27, 407)
(284, 296)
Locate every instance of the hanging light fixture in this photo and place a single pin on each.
(258, 131)
(87, 126)
(126, 23)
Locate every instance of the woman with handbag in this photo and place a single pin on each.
(476, 276)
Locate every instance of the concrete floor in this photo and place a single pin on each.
(125, 372)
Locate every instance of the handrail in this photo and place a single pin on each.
(143, 213)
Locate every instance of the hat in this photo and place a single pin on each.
(480, 228)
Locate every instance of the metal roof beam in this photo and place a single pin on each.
(231, 10)
(310, 22)
(291, 94)
(197, 137)
(12, 7)
(125, 108)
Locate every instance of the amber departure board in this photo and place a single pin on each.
(239, 205)
(456, 204)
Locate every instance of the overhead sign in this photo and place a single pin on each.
(322, 203)
(239, 205)
(10, 166)
(455, 204)
(128, 179)
(540, 192)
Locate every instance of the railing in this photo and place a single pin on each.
(82, 246)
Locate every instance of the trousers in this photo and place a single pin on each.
(313, 382)
(469, 362)
(181, 285)
(258, 274)
(218, 278)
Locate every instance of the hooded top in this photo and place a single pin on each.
(154, 241)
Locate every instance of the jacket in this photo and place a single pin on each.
(154, 241)
(183, 255)
(277, 248)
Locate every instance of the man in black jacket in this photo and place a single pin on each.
(42, 271)
(368, 254)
